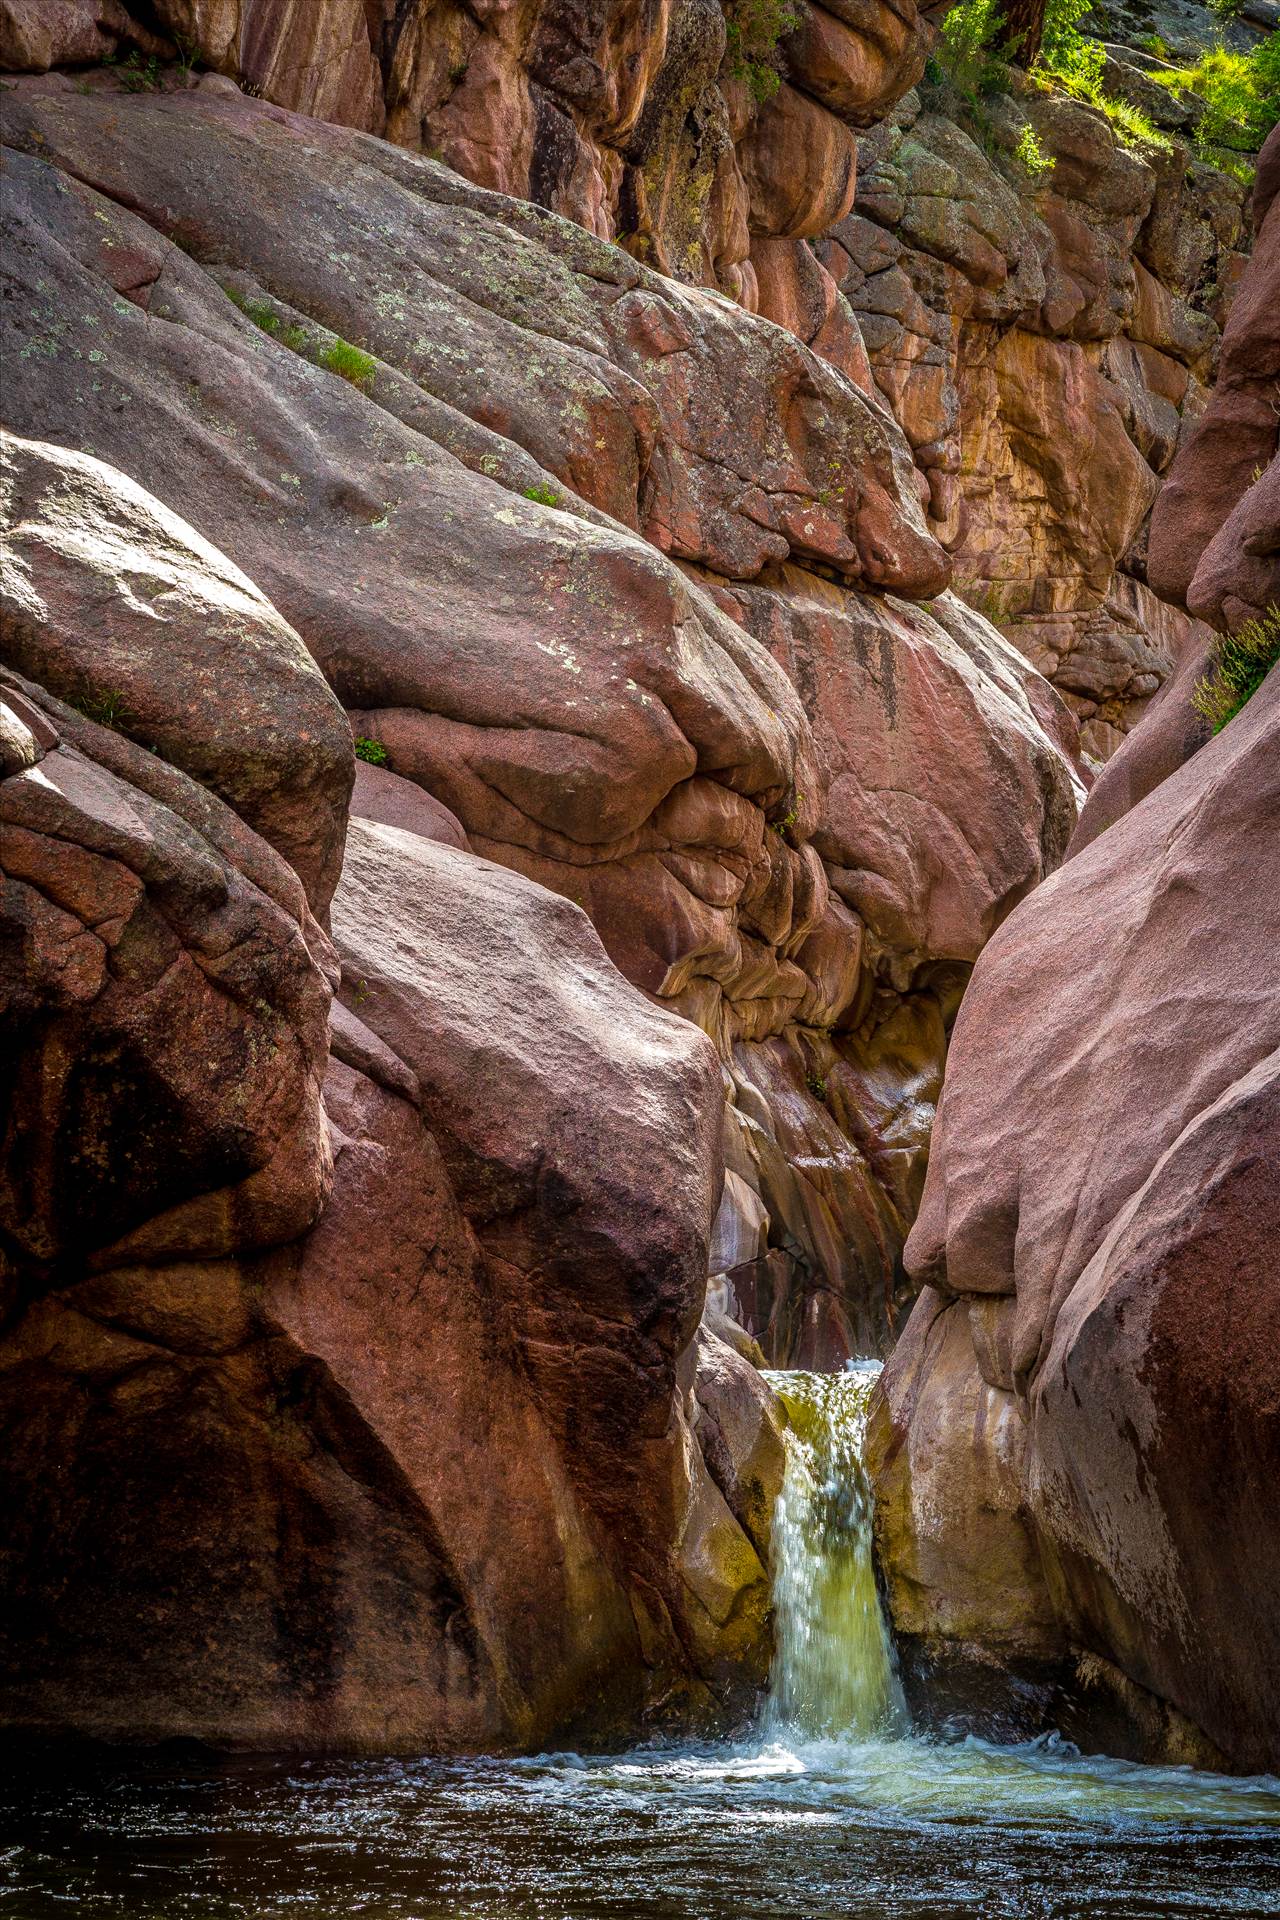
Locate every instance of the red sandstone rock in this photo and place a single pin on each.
(114, 603)
(165, 1018)
(1215, 534)
(1083, 1192)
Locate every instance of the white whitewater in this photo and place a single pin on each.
(833, 1671)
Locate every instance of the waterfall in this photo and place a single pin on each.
(833, 1671)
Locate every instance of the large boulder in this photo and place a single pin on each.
(1090, 1368)
(112, 602)
(1215, 534)
(370, 1424)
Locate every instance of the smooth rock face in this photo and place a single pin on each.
(108, 599)
(366, 1415)
(1098, 1235)
(1215, 536)
(601, 719)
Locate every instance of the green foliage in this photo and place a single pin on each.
(188, 54)
(1031, 154)
(265, 317)
(1241, 95)
(544, 496)
(371, 751)
(1225, 9)
(108, 709)
(1241, 662)
(135, 74)
(971, 59)
(968, 50)
(783, 825)
(752, 30)
(349, 363)
(339, 356)
(1077, 64)
(817, 1086)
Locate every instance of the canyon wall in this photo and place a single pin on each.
(1076, 1446)
(377, 1114)
(369, 1119)
(1042, 340)
(1044, 333)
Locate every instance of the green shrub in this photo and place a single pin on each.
(968, 50)
(349, 363)
(752, 30)
(107, 709)
(136, 75)
(543, 495)
(1241, 662)
(267, 320)
(1031, 154)
(1241, 95)
(1077, 63)
(371, 751)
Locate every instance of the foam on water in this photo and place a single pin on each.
(831, 1810)
(833, 1671)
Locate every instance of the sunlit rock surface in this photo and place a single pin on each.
(546, 525)
(475, 540)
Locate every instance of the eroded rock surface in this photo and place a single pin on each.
(476, 540)
(546, 526)
(1077, 1436)
(342, 1394)
(1045, 339)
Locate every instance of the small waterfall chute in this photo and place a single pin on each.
(833, 1671)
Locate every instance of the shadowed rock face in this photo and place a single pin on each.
(1215, 537)
(594, 716)
(1089, 1370)
(340, 1401)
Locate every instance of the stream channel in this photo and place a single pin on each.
(831, 1810)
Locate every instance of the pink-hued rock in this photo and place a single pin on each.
(273, 1345)
(164, 1013)
(384, 796)
(1100, 1203)
(114, 603)
(902, 700)
(1215, 533)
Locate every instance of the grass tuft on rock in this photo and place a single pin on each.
(371, 751)
(1241, 662)
(349, 363)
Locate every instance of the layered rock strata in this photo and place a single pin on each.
(477, 538)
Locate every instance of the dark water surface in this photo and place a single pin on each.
(783, 1829)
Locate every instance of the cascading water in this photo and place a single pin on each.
(833, 1672)
(829, 1810)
